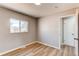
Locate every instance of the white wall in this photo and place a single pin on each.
(49, 30)
(10, 41)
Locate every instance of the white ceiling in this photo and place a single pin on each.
(41, 10)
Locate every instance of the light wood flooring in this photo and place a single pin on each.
(42, 50)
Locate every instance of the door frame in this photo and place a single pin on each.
(77, 28)
(61, 28)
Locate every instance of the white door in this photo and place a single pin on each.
(69, 23)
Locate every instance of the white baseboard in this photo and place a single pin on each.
(23, 46)
(67, 44)
(27, 44)
(47, 45)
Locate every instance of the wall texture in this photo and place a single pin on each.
(8, 40)
(49, 29)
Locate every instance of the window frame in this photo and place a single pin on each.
(20, 26)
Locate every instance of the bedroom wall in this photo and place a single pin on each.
(13, 40)
(49, 28)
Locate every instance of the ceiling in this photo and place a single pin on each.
(44, 9)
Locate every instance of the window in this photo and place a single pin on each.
(14, 25)
(18, 26)
(24, 26)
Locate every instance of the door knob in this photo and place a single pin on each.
(72, 34)
(76, 38)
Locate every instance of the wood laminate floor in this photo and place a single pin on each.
(42, 50)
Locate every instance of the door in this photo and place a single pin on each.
(69, 23)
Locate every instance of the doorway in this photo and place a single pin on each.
(67, 41)
(68, 31)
